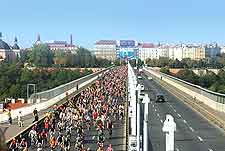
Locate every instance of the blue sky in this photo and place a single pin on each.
(91, 20)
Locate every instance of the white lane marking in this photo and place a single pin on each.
(210, 149)
(153, 105)
(191, 129)
(161, 121)
(174, 110)
(200, 138)
(155, 110)
(177, 149)
(185, 121)
(158, 114)
(171, 106)
(179, 115)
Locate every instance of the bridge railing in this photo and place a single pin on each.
(218, 97)
(49, 94)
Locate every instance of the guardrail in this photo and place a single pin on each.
(210, 98)
(51, 93)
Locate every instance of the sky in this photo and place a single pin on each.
(91, 20)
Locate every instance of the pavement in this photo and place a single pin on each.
(194, 132)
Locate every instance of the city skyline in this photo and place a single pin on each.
(90, 21)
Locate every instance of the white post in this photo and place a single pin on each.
(169, 127)
(138, 115)
(146, 100)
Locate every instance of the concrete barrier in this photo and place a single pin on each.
(198, 96)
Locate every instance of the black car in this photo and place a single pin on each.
(160, 98)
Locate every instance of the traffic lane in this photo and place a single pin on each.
(185, 139)
(155, 134)
(209, 134)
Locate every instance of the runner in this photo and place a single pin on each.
(35, 114)
(20, 119)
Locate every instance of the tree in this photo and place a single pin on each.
(188, 75)
(40, 55)
(165, 70)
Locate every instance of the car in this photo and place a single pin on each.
(139, 77)
(160, 98)
(140, 70)
(142, 87)
(150, 78)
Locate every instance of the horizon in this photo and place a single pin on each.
(89, 21)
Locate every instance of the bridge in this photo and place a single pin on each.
(198, 114)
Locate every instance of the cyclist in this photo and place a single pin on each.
(23, 144)
(53, 143)
(13, 145)
(33, 136)
(109, 148)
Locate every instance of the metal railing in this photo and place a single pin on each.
(51, 93)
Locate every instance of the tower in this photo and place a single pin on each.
(15, 40)
(38, 40)
(38, 37)
(71, 39)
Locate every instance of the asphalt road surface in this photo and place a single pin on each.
(194, 133)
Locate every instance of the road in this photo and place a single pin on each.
(194, 133)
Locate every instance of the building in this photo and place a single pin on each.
(212, 50)
(62, 45)
(127, 49)
(163, 51)
(58, 45)
(106, 49)
(7, 52)
(16, 49)
(189, 52)
(199, 53)
(147, 51)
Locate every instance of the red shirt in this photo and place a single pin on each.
(95, 115)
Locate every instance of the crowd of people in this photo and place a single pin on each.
(96, 108)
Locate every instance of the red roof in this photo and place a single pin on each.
(148, 45)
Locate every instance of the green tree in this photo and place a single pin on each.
(40, 55)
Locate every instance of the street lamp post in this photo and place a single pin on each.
(34, 89)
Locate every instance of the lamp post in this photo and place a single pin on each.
(34, 89)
